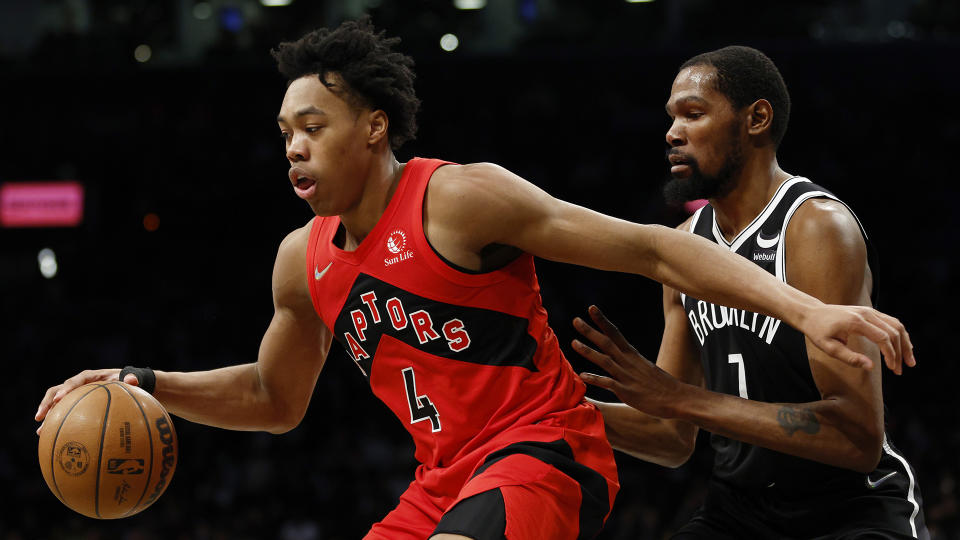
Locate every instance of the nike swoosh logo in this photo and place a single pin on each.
(318, 274)
(873, 484)
(765, 243)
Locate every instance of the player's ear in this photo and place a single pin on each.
(760, 117)
(379, 123)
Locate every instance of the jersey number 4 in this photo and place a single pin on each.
(421, 408)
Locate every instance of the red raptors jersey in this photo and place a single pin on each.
(467, 362)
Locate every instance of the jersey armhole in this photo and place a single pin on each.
(315, 227)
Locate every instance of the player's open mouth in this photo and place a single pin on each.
(303, 185)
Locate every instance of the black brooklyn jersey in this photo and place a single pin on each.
(761, 358)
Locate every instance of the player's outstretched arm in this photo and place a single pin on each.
(485, 204)
(844, 428)
(270, 394)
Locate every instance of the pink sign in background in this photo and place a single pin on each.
(41, 204)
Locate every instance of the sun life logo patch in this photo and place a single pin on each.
(397, 246)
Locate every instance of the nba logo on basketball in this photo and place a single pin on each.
(397, 244)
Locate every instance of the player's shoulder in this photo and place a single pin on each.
(468, 176)
(295, 242)
(290, 275)
(291, 260)
(474, 187)
(826, 228)
(823, 219)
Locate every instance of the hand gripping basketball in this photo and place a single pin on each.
(146, 378)
(109, 450)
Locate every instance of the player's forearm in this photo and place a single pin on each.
(820, 431)
(706, 271)
(230, 398)
(664, 442)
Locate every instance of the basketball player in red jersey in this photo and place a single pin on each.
(423, 272)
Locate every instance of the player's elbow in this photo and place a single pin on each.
(859, 443)
(679, 453)
(284, 416)
(283, 423)
(670, 460)
(867, 448)
(672, 449)
(867, 456)
(280, 429)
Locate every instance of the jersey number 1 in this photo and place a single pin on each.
(421, 408)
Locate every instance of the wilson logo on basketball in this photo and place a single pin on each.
(169, 457)
(397, 244)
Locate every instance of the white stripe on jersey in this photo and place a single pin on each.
(781, 251)
(750, 229)
(910, 496)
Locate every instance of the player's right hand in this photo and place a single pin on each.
(55, 393)
(830, 327)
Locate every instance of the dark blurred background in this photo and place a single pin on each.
(164, 112)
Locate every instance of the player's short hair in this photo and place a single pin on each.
(374, 75)
(745, 75)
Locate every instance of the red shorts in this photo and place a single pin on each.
(557, 478)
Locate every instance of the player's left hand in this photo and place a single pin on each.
(829, 327)
(634, 379)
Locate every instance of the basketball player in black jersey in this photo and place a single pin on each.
(799, 437)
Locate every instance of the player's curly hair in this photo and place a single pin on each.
(745, 75)
(374, 75)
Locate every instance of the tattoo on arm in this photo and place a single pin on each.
(793, 419)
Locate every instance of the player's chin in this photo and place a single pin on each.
(322, 207)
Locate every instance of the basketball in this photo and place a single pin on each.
(108, 450)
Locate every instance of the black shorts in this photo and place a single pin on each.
(481, 517)
(889, 509)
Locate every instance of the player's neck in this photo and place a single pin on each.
(381, 180)
(755, 186)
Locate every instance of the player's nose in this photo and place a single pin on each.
(297, 150)
(675, 135)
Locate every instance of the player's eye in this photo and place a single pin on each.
(313, 129)
(284, 136)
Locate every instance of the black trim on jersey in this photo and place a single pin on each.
(496, 338)
(452, 264)
(492, 258)
(481, 517)
(594, 495)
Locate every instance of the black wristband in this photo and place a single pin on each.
(146, 378)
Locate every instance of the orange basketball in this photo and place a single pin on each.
(108, 450)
